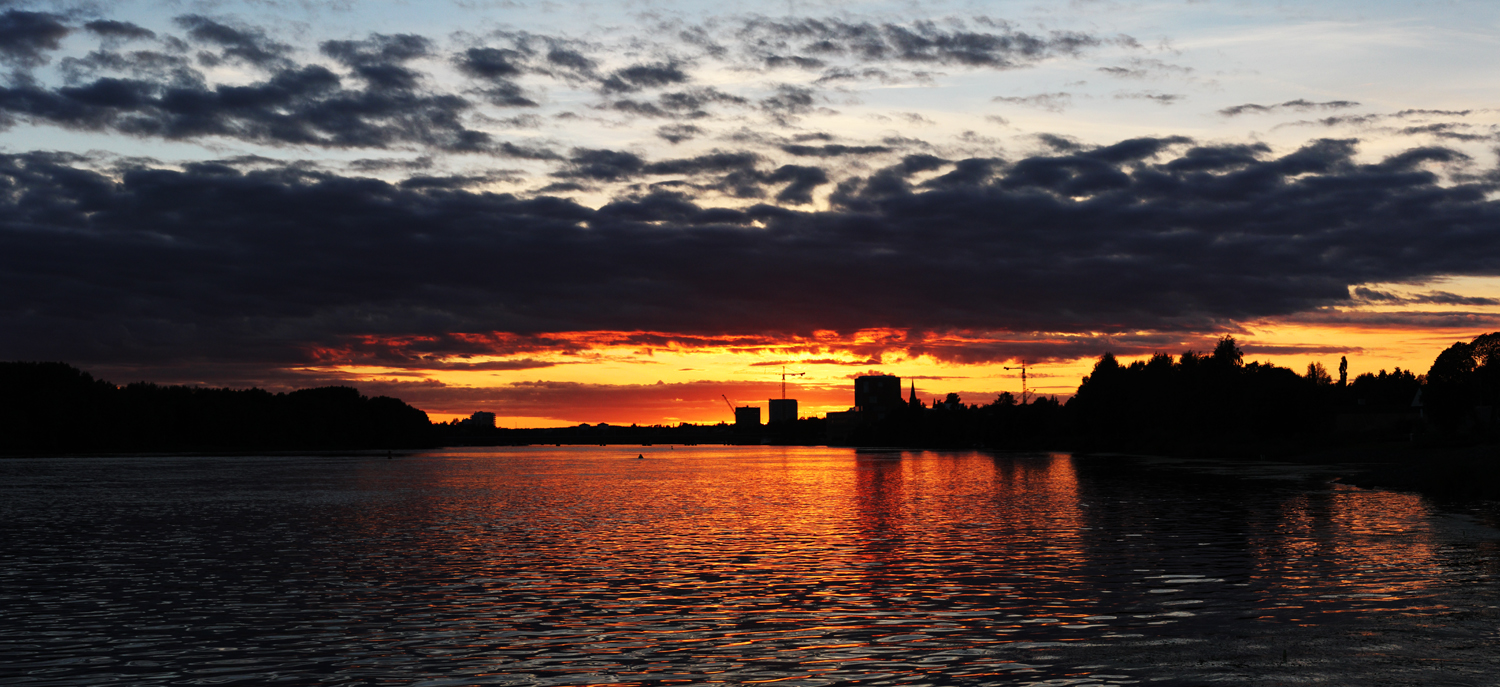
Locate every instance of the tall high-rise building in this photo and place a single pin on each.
(746, 417)
(878, 394)
(783, 410)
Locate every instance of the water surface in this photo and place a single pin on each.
(697, 565)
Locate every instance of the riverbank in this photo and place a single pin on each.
(1445, 472)
(1449, 470)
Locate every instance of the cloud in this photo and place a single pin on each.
(119, 31)
(1158, 98)
(148, 65)
(247, 45)
(789, 102)
(833, 150)
(383, 164)
(498, 68)
(1337, 120)
(1141, 68)
(641, 76)
(602, 165)
(810, 43)
(1298, 105)
(690, 103)
(27, 37)
(716, 161)
(1430, 298)
(1429, 113)
(379, 59)
(1152, 234)
(677, 133)
(374, 92)
(1051, 102)
(295, 105)
(490, 63)
(800, 181)
(1448, 130)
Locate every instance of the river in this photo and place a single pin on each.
(698, 565)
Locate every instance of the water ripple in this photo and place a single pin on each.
(744, 565)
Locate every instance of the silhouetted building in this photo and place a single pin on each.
(877, 394)
(746, 417)
(841, 426)
(783, 410)
(915, 403)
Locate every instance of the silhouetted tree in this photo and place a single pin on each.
(1463, 376)
(1227, 353)
(52, 408)
(1317, 374)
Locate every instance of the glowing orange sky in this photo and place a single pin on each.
(653, 378)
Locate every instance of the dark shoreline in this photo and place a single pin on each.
(1449, 472)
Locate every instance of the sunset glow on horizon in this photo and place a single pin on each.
(569, 212)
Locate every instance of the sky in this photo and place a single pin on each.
(568, 212)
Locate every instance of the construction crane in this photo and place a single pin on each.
(727, 403)
(784, 375)
(1024, 392)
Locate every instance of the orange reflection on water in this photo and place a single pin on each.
(764, 564)
(1353, 543)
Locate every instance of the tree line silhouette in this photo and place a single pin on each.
(1211, 404)
(56, 408)
(1215, 403)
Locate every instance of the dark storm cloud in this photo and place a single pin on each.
(27, 37)
(1146, 234)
